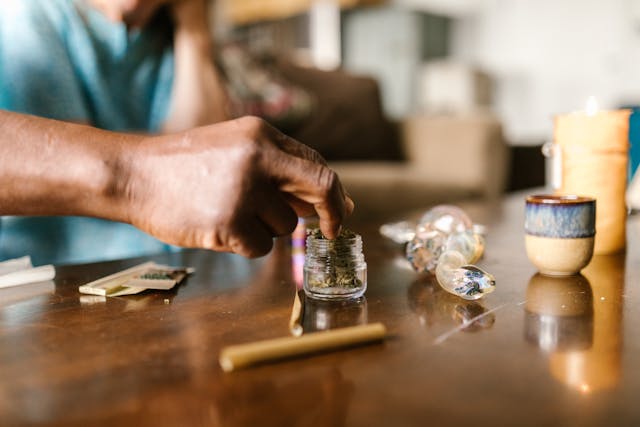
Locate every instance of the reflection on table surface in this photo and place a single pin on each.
(538, 351)
(323, 315)
(598, 365)
(434, 305)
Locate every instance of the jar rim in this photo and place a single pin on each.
(558, 199)
(327, 241)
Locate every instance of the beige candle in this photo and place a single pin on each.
(593, 148)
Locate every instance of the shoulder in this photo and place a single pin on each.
(20, 11)
(18, 16)
(36, 76)
(30, 28)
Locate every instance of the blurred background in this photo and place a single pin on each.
(448, 98)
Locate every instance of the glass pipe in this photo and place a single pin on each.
(458, 277)
(445, 243)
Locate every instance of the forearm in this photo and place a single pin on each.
(49, 167)
(198, 94)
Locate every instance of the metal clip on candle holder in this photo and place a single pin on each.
(446, 243)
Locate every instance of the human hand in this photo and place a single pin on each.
(191, 15)
(135, 14)
(230, 187)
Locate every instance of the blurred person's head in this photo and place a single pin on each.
(134, 13)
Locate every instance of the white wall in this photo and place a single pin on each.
(548, 56)
(384, 42)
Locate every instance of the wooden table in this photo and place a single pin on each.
(535, 352)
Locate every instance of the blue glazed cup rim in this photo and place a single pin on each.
(559, 199)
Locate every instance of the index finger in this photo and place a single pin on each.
(293, 147)
(313, 183)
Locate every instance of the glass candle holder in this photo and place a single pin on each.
(334, 269)
(593, 147)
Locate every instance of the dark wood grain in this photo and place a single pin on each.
(535, 352)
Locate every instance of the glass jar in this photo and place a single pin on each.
(334, 269)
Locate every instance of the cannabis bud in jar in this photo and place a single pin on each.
(334, 269)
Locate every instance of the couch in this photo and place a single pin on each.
(388, 167)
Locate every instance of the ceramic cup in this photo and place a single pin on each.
(559, 233)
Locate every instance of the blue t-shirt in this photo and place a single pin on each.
(63, 59)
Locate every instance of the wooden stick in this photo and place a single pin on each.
(297, 314)
(240, 356)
